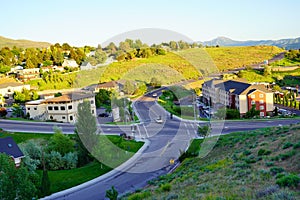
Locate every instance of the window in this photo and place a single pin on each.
(50, 108)
(93, 112)
(262, 114)
(63, 117)
(92, 101)
(35, 108)
(261, 101)
(252, 96)
(71, 118)
(261, 95)
(55, 107)
(252, 102)
(70, 107)
(261, 107)
(28, 108)
(62, 108)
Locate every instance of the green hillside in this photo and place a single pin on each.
(261, 164)
(170, 63)
(234, 57)
(6, 42)
(209, 60)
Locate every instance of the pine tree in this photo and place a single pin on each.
(112, 193)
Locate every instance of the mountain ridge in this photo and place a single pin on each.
(7, 42)
(289, 43)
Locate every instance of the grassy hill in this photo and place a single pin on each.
(6, 42)
(260, 164)
(171, 63)
(209, 60)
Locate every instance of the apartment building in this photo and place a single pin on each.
(62, 109)
(238, 95)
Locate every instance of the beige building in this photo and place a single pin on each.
(238, 95)
(7, 90)
(61, 109)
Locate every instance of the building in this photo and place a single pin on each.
(238, 95)
(10, 148)
(52, 68)
(112, 85)
(61, 109)
(86, 66)
(28, 74)
(70, 63)
(7, 89)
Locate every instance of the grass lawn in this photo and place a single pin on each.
(22, 137)
(64, 179)
(285, 62)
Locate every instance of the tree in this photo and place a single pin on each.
(100, 56)
(15, 182)
(60, 142)
(204, 131)
(86, 126)
(103, 97)
(45, 186)
(19, 97)
(112, 193)
(3, 112)
(124, 46)
(112, 48)
(154, 82)
(267, 70)
(129, 87)
(252, 112)
(17, 110)
(232, 114)
(4, 69)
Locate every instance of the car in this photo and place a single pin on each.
(103, 115)
(154, 95)
(9, 110)
(159, 120)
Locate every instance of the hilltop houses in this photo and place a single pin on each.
(61, 109)
(238, 95)
(87, 66)
(69, 63)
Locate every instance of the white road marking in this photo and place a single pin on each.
(146, 131)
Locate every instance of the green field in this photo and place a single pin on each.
(234, 57)
(285, 62)
(261, 164)
(22, 137)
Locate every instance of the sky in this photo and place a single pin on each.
(92, 22)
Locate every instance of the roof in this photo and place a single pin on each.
(69, 97)
(10, 84)
(9, 147)
(35, 102)
(212, 82)
(253, 88)
(111, 84)
(235, 87)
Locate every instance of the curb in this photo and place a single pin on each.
(105, 176)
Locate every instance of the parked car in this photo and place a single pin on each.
(103, 115)
(9, 109)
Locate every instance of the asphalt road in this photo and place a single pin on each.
(165, 139)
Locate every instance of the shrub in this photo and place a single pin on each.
(276, 170)
(70, 160)
(54, 160)
(287, 155)
(283, 195)
(269, 164)
(60, 143)
(290, 180)
(297, 145)
(263, 152)
(287, 145)
(166, 187)
(247, 152)
(267, 191)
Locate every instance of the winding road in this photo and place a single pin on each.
(164, 141)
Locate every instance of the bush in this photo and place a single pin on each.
(263, 152)
(287, 145)
(54, 160)
(166, 187)
(267, 191)
(60, 143)
(290, 180)
(70, 160)
(276, 170)
(297, 145)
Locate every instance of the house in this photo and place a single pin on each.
(112, 85)
(10, 148)
(62, 109)
(52, 68)
(238, 95)
(7, 89)
(28, 74)
(86, 66)
(70, 63)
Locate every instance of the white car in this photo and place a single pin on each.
(154, 95)
(159, 120)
